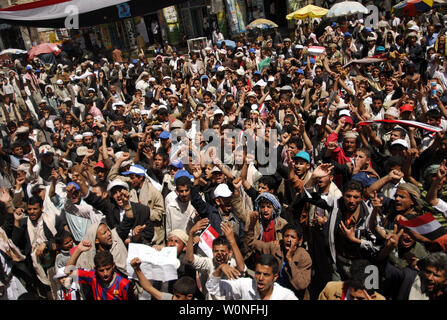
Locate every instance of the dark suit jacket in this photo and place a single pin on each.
(112, 212)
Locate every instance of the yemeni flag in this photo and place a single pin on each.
(53, 13)
(409, 123)
(206, 240)
(426, 225)
(316, 50)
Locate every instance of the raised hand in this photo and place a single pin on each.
(200, 225)
(197, 172)
(136, 232)
(5, 197)
(19, 214)
(85, 245)
(54, 175)
(237, 183)
(396, 174)
(322, 170)
(254, 218)
(227, 229)
(135, 263)
(392, 238)
(348, 233)
(376, 202)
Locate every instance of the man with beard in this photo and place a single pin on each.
(221, 211)
(35, 236)
(313, 219)
(431, 283)
(224, 247)
(131, 219)
(347, 227)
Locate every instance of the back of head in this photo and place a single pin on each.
(358, 275)
(185, 286)
(102, 259)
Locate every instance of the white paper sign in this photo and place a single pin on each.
(156, 265)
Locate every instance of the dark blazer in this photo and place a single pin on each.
(21, 238)
(112, 212)
(206, 210)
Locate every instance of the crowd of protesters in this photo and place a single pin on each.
(91, 162)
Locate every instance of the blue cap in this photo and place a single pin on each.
(302, 155)
(251, 50)
(204, 77)
(333, 24)
(177, 163)
(380, 49)
(136, 169)
(165, 135)
(134, 61)
(368, 29)
(257, 72)
(183, 173)
(363, 178)
(347, 34)
(37, 70)
(77, 187)
(301, 71)
(312, 60)
(28, 67)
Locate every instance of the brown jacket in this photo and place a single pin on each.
(334, 291)
(298, 272)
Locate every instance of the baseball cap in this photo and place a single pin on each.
(222, 191)
(401, 142)
(363, 178)
(257, 72)
(99, 164)
(60, 273)
(177, 164)
(136, 169)
(77, 187)
(218, 111)
(348, 119)
(406, 107)
(302, 155)
(117, 183)
(183, 173)
(165, 135)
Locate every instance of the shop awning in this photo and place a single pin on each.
(54, 13)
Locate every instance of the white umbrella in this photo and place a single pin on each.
(13, 51)
(346, 8)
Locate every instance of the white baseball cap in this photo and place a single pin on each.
(223, 191)
(117, 183)
(402, 142)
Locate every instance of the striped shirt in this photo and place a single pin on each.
(120, 289)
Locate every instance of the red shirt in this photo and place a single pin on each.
(269, 232)
(120, 289)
